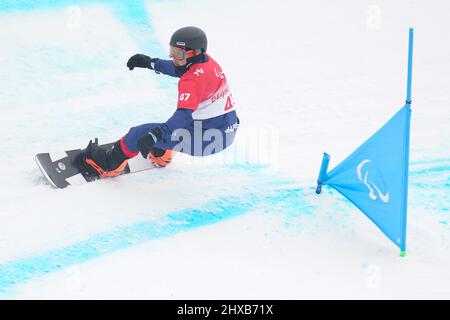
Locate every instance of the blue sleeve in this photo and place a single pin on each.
(166, 67)
(182, 118)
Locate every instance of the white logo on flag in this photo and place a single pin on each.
(374, 190)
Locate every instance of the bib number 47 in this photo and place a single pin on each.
(184, 96)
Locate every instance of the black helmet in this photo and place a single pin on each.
(189, 38)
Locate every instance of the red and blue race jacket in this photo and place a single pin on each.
(204, 97)
(204, 90)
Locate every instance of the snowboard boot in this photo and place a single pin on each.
(161, 157)
(105, 163)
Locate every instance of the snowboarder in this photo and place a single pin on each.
(205, 109)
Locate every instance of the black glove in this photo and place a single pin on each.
(140, 61)
(145, 143)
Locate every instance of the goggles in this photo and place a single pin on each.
(179, 54)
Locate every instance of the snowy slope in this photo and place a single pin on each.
(307, 77)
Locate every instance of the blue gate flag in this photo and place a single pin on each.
(375, 176)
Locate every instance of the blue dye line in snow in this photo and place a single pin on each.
(216, 211)
(429, 161)
(444, 168)
(121, 238)
(132, 13)
(23, 5)
(290, 201)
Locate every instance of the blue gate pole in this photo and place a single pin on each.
(323, 172)
(410, 57)
(406, 160)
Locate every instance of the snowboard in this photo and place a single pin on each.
(66, 169)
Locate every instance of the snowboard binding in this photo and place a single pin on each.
(97, 162)
(85, 169)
